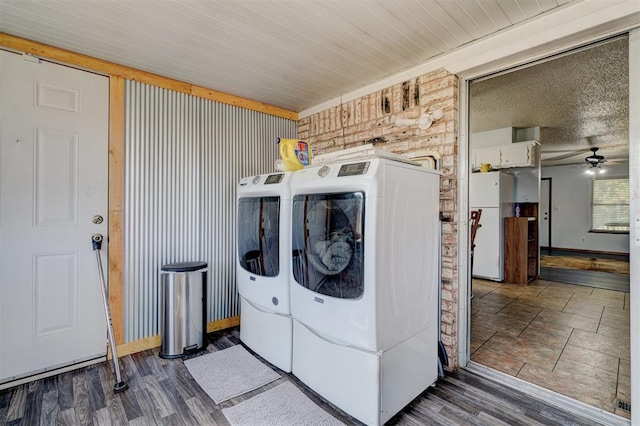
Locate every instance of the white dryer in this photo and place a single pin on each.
(364, 283)
(263, 264)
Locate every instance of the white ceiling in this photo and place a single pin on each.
(290, 54)
(299, 54)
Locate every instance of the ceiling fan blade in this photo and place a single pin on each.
(561, 151)
(612, 161)
(564, 156)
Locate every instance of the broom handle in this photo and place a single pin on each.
(96, 240)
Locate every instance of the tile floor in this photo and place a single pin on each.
(568, 338)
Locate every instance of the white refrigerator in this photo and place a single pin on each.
(494, 193)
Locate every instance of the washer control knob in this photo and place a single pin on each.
(275, 301)
(323, 171)
(256, 180)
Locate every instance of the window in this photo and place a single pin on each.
(610, 205)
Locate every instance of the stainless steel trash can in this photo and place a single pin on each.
(183, 310)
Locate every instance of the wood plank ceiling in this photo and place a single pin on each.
(290, 54)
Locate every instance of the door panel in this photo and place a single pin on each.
(55, 290)
(56, 178)
(53, 180)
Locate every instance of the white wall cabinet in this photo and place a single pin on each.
(521, 154)
(518, 154)
(489, 155)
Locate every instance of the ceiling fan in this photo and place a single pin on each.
(572, 156)
(594, 159)
(594, 162)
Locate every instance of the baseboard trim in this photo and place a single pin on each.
(52, 372)
(155, 341)
(594, 252)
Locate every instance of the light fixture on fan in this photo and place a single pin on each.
(424, 122)
(592, 170)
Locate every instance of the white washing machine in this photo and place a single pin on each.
(364, 283)
(263, 264)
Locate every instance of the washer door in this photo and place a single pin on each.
(259, 235)
(328, 243)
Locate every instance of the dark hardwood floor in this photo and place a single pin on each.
(594, 279)
(162, 392)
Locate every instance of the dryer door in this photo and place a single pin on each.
(328, 243)
(259, 235)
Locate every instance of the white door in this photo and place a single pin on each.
(545, 212)
(53, 180)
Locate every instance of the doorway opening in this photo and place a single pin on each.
(570, 337)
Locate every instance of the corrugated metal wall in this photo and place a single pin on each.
(184, 157)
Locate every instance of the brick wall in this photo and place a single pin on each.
(371, 120)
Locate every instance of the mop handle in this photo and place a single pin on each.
(96, 242)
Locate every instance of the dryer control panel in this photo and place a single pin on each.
(353, 169)
(271, 179)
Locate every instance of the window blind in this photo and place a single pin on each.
(610, 205)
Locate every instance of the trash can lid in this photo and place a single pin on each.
(184, 266)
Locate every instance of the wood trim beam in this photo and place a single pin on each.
(112, 69)
(116, 204)
(155, 341)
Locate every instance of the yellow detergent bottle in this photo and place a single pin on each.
(295, 154)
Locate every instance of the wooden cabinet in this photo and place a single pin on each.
(521, 255)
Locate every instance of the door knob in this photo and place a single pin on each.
(97, 219)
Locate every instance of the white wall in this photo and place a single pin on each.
(504, 136)
(570, 210)
(496, 137)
